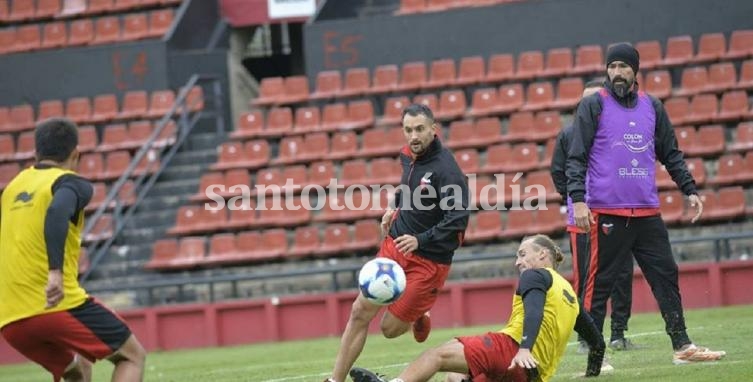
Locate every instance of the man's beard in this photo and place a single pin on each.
(621, 88)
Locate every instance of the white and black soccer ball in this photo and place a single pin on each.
(382, 281)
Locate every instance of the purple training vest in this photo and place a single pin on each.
(621, 165)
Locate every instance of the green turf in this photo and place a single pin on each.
(729, 329)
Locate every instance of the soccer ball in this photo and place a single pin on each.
(382, 281)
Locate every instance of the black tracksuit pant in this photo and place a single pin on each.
(612, 240)
(621, 297)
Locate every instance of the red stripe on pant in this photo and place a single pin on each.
(576, 271)
(593, 264)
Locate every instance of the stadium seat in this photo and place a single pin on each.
(385, 171)
(7, 172)
(78, 109)
(430, 100)
(296, 89)
(550, 220)
(442, 73)
(740, 44)
(243, 218)
(530, 64)
(488, 226)
(107, 30)
(354, 172)
(307, 119)
(729, 169)
(497, 157)
(250, 124)
(539, 96)
(672, 206)
(746, 176)
(710, 141)
(334, 116)
(686, 139)
(734, 106)
(100, 6)
(99, 195)
(484, 102)
(658, 83)
(679, 51)
(21, 10)
(694, 80)
(452, 105)
(271, 91)
(290, 150)
(542, 178)
(160, 103)
(519, 223)
(279, 122)
(328, 85)
(114, 137)
(272, 245)
(525, 157)
(677, 108)
(731, 203)
(87, 138)
(460, 134)
(336, 239)
(588, 59)
(117, 163)
(315, 146)
(393, 110)
(412, 76)
(703, 108)
(321, 173)
(547, 124)
(160, 21)
(411, 6)
(7, 40)
(124, 5)
(472, 71)
(49, 109)
(711, 47)
(743, 137)
(650, 53)
(520, 127)
(25, 146)
(135, 27)
(360, 114)
(305, 242)
(569, 93)
(28, 38)
(105, 108)
(206, 181)
(81, 32)
(357, 82)
(20, 117)
(697, 169)
(385, 79)
(722, 76)
(54, 35)
(468, 160)
(191, 252)
(510, 98)
(163, 253)
(501, 68)
(343, 145)
(746, 75)
(559, 61)
(222, 249)
(91, 166)
(135, 105)
(7, 147)
(365, 235)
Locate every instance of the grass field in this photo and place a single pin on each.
(729, 329)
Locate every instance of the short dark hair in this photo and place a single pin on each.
(55, 139)
(595, 83)
(415, 109)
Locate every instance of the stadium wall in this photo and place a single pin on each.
(703, 285)
(512, 28)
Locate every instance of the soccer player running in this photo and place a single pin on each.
(620, 133)
(44, 313)
(422, 233)
(622, 295)
(545, 310)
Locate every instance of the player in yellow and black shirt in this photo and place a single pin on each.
(44, 313)
(544, 313)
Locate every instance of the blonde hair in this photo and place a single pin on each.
(547, 243)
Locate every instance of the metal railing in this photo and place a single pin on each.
(186, 120)
(721, 246)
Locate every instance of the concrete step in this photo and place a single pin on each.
(141, 235)
(194, 157)
(198, 141)
(175, 187)
(168, 202)
(182, 172)
(157, 218)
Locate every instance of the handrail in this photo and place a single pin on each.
(233, 278)
(98, 248)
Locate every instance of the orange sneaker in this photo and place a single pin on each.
(422, 328)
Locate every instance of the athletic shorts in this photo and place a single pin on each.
(489, 357)
(90, 330)
(424, 279)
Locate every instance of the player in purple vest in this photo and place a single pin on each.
(622, 294)
(610, 167)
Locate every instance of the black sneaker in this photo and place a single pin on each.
(362, 375)
(622, 344)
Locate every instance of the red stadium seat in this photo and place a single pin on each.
(488, 225)
(356, 82)
(510, 98)
(160, 103)
(279, 122)
(78, 109)
(650, 53)
(81, 32)
(539, 95)
(694, 81)
(305, 242)
(28, 38)
(412, 76)
(722, 76)
(569, 93)
(471, 71)
(55, 35)
(271, 91)
(588, 59)
(442, 73)
(107, 30)
(740, 44)
(559, 61)
(328, 85)
(743, 137)
(530, 64)
(679, 51)
(344, 145)
(365, 235)
(734, 106)
(105, 108)
(160, 21)
(385, 79)
(307, 119)
(672, 205)
(135, 26)
(360, 115)
(711, 47)
(501, 68)
(296, 89)
(334, 116)
(135, 105)
(49, 109)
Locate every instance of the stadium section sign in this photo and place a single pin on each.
(279, 9)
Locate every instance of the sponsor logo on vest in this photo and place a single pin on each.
(633, 172)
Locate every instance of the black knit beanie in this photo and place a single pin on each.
(626, 53)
